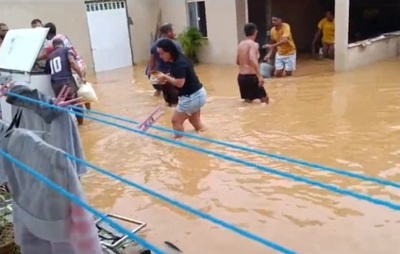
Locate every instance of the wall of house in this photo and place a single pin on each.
(376, 51)
(20, 14)
(143, 12)
(221, 28)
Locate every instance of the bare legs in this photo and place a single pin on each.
(179, 118)
(329, 51)
(282, 73)
(195, 121)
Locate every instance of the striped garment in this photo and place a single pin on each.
(68, 44)
(146, 124)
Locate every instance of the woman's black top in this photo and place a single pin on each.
(182, 68)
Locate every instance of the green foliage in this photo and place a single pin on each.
(191, 40)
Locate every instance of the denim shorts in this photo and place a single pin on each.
(192, 103)
(287, 63)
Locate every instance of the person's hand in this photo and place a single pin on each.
(162, 78)
(83, 80)
(261, 81)
(267, 58)
(5, 88)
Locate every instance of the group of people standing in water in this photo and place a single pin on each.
(181, 87)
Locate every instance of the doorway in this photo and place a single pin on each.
(259, 13)
(109, 34)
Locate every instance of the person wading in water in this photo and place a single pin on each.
(156, 63)
(251, 83)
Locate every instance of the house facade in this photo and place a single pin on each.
(71, 19)
(225, 20)
(221, 22)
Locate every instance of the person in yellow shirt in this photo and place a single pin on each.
(282, 45)
(326, 28)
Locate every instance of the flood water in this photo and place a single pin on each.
(349, 121)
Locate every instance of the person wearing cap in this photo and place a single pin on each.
(282, 45)
(326, 28)
(156, 63)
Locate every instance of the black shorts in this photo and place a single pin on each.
(58, 85)
(170, 93)
(249, 88)
(158, 87)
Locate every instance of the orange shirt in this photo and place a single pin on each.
(286, 49)
(328, 31)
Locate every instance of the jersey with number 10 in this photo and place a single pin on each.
(58, 65)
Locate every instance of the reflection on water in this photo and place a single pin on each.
(348, 120)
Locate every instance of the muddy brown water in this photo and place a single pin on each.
(350, 121)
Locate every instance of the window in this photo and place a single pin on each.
(369, 19)
(197, 16)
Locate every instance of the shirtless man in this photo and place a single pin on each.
(251, 83)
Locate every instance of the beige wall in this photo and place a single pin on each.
(241, 18)
(20, 15)
(379, 50)
(221, 28)
(144, 14)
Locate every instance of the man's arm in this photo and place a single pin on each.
(285, 36)
(152, 63)
(253, 61)
(74, 64)
(152, 60)
(43, 54)
(271, 52)
(317, 35)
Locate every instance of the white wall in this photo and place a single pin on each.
(379, 50)
(144, 14)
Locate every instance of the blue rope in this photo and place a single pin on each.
(79, 202)
(262, 153)
(329, 187)
(184, 207)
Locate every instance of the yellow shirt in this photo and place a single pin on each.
(328, 31)
(277, 35)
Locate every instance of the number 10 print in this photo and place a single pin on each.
(55, 65)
